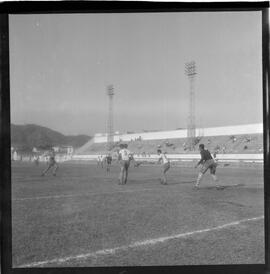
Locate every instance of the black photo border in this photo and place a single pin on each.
(8, 8)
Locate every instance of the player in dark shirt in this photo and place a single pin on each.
(207, 162)
(36, 160)
(108, 162)
(52, 163)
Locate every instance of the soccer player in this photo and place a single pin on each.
(132, 160)
(102, 160)
(165, 166)
(52, 163)
(98, 160)
(124, 158)
(36, 160)
(108, 162)
(207, 162)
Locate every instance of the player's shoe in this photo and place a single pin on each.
(162, 182)
(196, 187)
(218, 187)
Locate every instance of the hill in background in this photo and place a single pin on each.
(25, 137)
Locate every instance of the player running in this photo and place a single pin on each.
(207, 162)
(124, 158)
(52, 163)
(165, 166)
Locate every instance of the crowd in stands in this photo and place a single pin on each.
(252, 143)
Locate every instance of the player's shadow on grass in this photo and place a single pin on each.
(183, 182)
(155, 181)
(232, 203)
(139, 182)
(225, 186)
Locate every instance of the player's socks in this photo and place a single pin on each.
(199, 179)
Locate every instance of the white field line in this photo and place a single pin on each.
(138, 244)
(80, 195)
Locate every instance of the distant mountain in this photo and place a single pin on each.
(26, 137)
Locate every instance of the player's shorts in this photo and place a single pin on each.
(209, 164)
(52, 162)
(166, 166)
(125, 163)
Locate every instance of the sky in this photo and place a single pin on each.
(61, 65)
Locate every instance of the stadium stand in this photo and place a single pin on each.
(240, 139)
(247, 143)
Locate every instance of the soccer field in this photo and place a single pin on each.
(82, 217)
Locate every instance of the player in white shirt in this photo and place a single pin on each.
(124, 157)
(99, 160)
(165, 166)
(102, 160)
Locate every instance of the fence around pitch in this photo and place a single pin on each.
(186, 157)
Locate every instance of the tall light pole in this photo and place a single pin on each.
(110, 132)
(190, 71)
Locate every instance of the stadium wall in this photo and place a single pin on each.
(182, 133)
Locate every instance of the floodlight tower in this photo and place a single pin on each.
(190, 70)
(110, 133)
